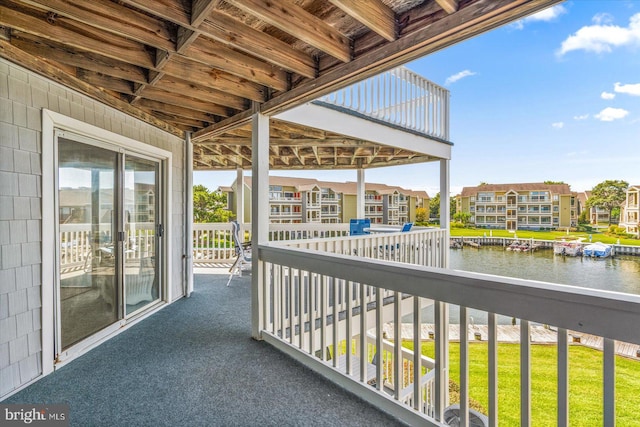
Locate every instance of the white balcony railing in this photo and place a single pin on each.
(77, 244)
(302, 280)
(399, 97)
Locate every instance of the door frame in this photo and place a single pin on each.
(52, 121)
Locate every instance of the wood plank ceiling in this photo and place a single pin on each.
(205, 66)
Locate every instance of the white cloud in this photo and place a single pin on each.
(610, 114)
(630, 89)
(607, 95)
(582, 117)
(558, 125)
(461, 75)
(602, 37)
(602, 18)
(545, 15)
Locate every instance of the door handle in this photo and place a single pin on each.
(160, 228)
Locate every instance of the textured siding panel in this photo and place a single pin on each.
(22, 96)
(4, 355)
(24, 323)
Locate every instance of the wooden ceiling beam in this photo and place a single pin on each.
(87, 60)
(197, 124)
(204, 93)
(222, 58)
(174, 11)
(224, 29)
(26, 60)
(294, 20)
(449, 6)
(178, 99)
(113, 18)
(196, 72)
(296, 142)
(373, 13)
(175, 110)
(106, 82)
(467, 22)
(79, 36)
(200, 9)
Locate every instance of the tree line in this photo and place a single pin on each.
(209, 206)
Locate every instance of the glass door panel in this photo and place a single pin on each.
(141, 223)
(88, 285)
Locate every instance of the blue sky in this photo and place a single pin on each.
(555, 96)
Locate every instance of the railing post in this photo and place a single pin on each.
(441, 314)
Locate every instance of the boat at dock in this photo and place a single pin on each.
(524, 246)
(597, 250)
(474, 245)
(567, 248)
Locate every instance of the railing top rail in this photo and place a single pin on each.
(359, 237)
(604, 313)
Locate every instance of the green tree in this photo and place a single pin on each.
(209, 206)
(549, 182)
(608, 195)
(434, 206)
(463, 217)
(422, 215)
(584, 217)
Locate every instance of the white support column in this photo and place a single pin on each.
(240, 199)
(259, 215)
(441, 309)
(445, 212)
(360, 194)
(188, 215)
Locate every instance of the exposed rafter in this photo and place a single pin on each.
(206, 66)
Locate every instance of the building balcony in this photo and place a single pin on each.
(194, 364)
(417, 105)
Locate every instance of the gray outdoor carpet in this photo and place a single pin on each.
(195, 364)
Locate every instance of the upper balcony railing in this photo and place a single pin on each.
(398, 97)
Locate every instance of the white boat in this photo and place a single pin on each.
(567, 248)
(597, 250)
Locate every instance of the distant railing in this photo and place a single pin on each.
(399, 97)
(212, 242)
(78, 244)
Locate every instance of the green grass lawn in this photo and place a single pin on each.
(543, 235)
(585, 383)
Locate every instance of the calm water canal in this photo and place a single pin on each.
(620, 274)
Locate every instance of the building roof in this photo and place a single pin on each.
(349, 187)
(518, 187)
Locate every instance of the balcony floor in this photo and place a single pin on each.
(194, 363)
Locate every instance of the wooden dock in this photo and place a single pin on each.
(511, 334)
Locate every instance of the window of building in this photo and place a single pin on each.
(485, 197)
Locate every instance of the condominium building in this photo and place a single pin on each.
(596, 215)
(529, 206)
(297, 200)
(630, 211)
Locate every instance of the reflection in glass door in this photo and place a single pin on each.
(87, 295)
(141, 280)
(108, 237)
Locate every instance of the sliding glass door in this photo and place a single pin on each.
(142, 228)
(109, 237)
(87, 296)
